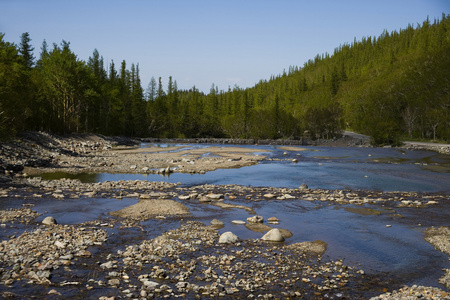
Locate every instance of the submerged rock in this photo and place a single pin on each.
(217, 223)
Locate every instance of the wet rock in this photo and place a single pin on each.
(238, 222)
(273, 220)
(228, 238)
(217, 223)
(258, 227)
(114, 282)
(22, 215)
(274, 235)
(255, 219)
(303, 186)
(215, 196)
(49, 221)
(269, 196)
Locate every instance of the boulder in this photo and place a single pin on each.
(273, 235)
(228, 238)
(49, 221)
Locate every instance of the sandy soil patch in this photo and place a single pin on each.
(292, 148)
(146, 209)
(150, 149)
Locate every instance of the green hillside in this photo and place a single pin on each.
(390, 87)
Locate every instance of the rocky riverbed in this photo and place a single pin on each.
(175, 255)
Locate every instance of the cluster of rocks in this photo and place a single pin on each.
(414, 292)
(35, 187)
(359, 197)
(23, 215)
(438, 148)
(191, 260)
(34, 255)
(74, 188)
(440, 238)
(43, 150)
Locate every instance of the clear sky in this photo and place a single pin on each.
(201, 42)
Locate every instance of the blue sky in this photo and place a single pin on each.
(233, 42)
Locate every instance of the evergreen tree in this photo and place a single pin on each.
(26, 50)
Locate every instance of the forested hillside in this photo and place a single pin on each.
(393, 86)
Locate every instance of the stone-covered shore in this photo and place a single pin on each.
(79, 261)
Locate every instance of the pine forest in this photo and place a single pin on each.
(392, 87)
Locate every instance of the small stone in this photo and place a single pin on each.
(303, 186)
(107, 265)
(215, 196)
(60, 245)
(114, 282)
(150, 283)
(58, 196)
(54, 292)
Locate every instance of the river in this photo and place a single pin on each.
(396, 254)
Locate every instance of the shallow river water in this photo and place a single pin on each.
(382, 169)
(398, 254)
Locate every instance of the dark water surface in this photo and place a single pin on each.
(357, 234)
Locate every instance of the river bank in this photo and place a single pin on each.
(38, 152)
(124, 256)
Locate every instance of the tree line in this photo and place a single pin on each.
(390, 87)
